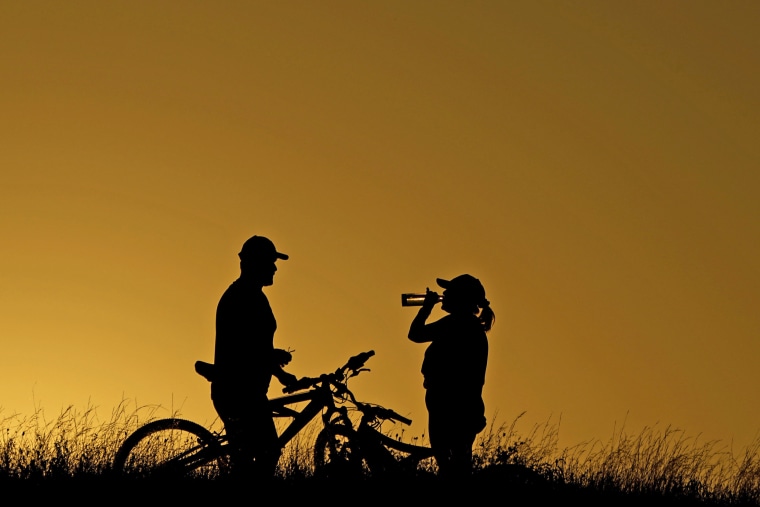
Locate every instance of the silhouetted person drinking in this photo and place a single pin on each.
(245, 361)
(454, 370)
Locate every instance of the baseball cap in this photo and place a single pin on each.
(466, 285)
(260, 247)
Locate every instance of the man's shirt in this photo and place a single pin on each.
(245, 327)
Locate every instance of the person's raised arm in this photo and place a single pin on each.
(417, 330)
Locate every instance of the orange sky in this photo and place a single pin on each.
(594, 163)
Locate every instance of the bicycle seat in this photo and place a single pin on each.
(205, 370)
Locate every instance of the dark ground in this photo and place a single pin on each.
(477, 492)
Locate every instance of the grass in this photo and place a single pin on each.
(74, 445)
(653, 465)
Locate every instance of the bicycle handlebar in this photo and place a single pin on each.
(337, 382)
(354, 364)
(358, 360)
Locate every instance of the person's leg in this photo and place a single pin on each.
(439, 431)
(460, 462)
(441, 451)
(452, 429)
(242, 429)
(266, 446)
(241, 452)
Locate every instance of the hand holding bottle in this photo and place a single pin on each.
(431, 299)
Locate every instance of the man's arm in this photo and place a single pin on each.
(284, 377)
(281, 358)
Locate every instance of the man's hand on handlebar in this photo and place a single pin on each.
(302, 383)
(281, 357)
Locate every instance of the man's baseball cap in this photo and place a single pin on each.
(259, 247)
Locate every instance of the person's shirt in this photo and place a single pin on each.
(457, 355)
(245, 327)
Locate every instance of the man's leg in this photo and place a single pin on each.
(266, 447)
(240, 429)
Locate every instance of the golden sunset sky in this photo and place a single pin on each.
(595, 164)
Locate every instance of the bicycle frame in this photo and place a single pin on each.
(319, 398)
(319, 395)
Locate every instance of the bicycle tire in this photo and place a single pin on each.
(337, 455)
(171, 448)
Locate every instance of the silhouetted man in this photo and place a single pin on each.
(245, 360)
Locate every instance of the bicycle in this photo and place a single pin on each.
(176, 447)
(346, 448)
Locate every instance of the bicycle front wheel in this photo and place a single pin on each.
(337, 454)
(175, 448)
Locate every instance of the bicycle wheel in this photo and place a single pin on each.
(336, 453)
(175, 448)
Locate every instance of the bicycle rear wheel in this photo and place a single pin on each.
(175, 448)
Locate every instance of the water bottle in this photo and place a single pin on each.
(413, 299)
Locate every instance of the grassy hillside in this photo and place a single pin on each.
(656, 466)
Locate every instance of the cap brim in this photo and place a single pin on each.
(443, 283)
(249, 255)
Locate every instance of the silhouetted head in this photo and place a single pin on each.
(257, 260)
(465, 294)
